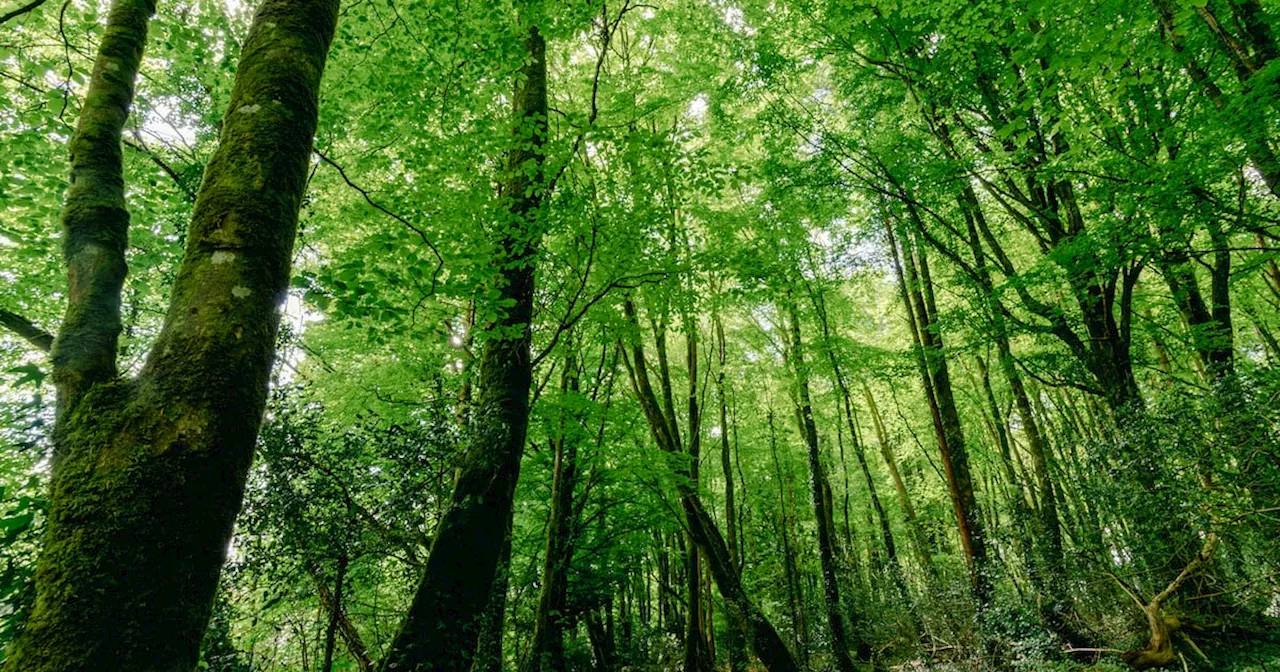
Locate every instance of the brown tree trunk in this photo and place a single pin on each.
(931, 359)
(149, 472)
(346, 629)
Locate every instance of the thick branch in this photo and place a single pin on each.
(95, 222)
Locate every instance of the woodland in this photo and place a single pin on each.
(535, 335)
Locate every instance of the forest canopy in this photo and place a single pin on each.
(639, 335)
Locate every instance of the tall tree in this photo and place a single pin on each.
(761, 635)
(821, 504)
(149, 470)
(441, 628)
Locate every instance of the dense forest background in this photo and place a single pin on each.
(690, 334)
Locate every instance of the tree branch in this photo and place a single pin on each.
(27, 329)
(21, 10)
(435, 275)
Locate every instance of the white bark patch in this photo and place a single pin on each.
(240, 292)
(222, 257)
(249, 109)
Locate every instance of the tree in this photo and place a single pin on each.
(465, 551)
(149, 470)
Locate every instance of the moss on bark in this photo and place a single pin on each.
(150, 472)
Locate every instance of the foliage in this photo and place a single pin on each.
(1083, 194)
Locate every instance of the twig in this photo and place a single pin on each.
(1237, 588)
(139, 146)
(1187, 638)
(21, 10)
(377, 206)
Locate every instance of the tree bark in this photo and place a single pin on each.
(696, 657)
(795, 590)
(149, 472)
(439, 633)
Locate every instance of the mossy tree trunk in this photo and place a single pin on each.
(441, 628)
(149, 472)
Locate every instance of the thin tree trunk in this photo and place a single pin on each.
(795, 590)
(547, 650)
(919, 540)
(736, 644)
(335, 611)
(761, 635)
(822, 512)
(346, 629)
(696, 657)
(950, 436)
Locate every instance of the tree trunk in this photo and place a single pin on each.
(331, 632)
(149, 472)
(696, 656)
(761, 635)
(918, 538)
(350, 635)
(946, 419)
(809, 430)
(795, 591)
(464, 557)
(737, 651)
(488, 656)
(547, 650)
(1208, 323)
